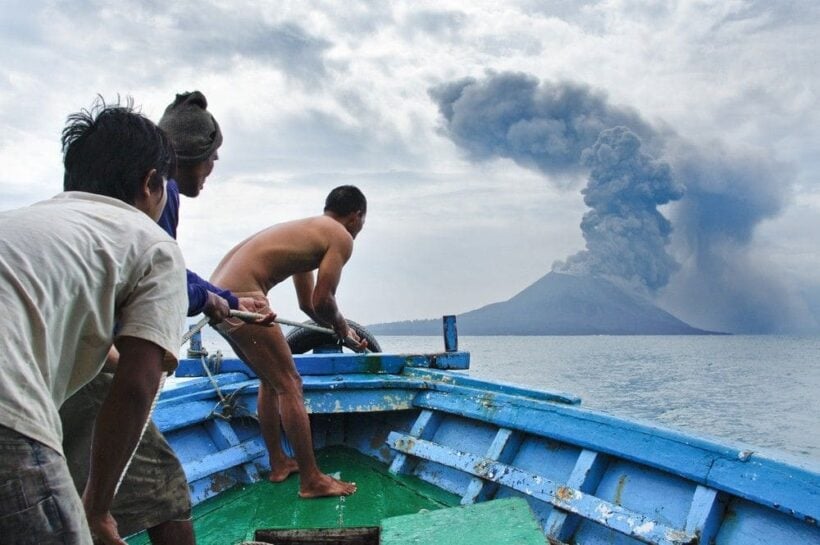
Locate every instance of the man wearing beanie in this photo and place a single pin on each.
(154, 493)
(194, 131)
(196, 137)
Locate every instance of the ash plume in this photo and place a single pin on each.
(626, 237)
(698, 263)
(568, 128)
(722, 283)
(538, 125)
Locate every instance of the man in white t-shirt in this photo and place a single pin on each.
(71, 269)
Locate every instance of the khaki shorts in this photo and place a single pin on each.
(154, 489)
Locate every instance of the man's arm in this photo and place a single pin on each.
(204, 297)
(304, 284)
(118, 428)
(324, 294)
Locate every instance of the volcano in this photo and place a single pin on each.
(558, 304)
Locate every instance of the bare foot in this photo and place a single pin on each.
(325, 486)
(283, 471)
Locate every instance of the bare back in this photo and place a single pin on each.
(270, 256)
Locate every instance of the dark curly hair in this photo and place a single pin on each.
(110, 148)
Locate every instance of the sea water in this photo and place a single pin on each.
(762, 391)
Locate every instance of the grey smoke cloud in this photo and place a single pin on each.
(626, 237)
(721, 285)
(729, 193)
(538, 125)
(701, 270)
(566, 128)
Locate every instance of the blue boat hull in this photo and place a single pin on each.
(588, 477)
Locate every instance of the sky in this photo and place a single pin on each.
(669, 146)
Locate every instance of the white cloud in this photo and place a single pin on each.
(311, 95)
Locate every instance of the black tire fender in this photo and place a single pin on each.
(301, 340)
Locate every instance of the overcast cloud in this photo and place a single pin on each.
(465, 211)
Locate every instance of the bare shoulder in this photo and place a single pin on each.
(332, 229)
(317, 232)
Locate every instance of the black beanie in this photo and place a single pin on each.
(191, 128)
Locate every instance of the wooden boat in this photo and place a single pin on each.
(440, 457)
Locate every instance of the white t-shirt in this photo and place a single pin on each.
(71, 269)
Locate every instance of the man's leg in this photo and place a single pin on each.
(154, 493)
(38, 502)
(266, 351)
(267, 405)
(171, 532)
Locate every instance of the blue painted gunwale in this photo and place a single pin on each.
(486, 439)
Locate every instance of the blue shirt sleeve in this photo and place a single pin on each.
(198, 288)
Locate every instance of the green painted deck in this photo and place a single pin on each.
(500, 522)
(234, 516)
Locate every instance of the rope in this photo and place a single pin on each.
(194, 330)
(222, 401)
(144, 427)
(252, 316)
(185, 338)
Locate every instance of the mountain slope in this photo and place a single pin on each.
(558, 304)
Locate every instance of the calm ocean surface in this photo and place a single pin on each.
(760, 390)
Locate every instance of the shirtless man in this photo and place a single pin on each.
(293, 249)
